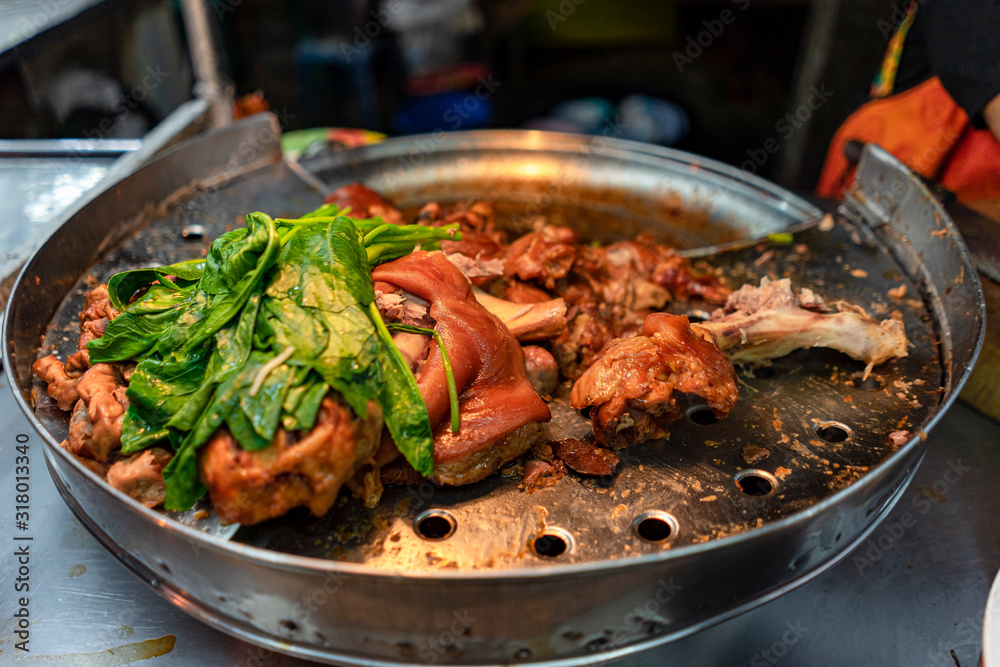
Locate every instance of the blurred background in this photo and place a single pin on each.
(760, 84)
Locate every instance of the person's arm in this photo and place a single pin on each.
(991, 114)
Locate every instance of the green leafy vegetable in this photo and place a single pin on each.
(456, 423)
(256, 334)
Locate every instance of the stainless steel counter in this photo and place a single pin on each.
(912, 594)
(35, 192)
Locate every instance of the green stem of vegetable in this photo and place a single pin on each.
(395, 241)
(375, 232)
(291, 232)
(306, 221)
(456, 423)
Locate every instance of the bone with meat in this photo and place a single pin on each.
(527, 321)
(769, 321)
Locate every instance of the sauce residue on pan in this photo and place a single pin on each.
(112, 657)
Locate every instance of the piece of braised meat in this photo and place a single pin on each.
(140, 475)
(585, 457)
(500, 411)
(482, 239)
(609, 289)
(544, 256)
(102, 389)
(97, 399)
(61, 386)
(543, 371)
(97, 313)
(541, 474)
(769, 321)
(632, 390)
(364, 203)
(62, 378)
(295, 469)
(96, 395)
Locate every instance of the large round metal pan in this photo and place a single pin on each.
(365, 586)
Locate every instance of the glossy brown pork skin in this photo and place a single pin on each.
(632, 388)
(497, 402)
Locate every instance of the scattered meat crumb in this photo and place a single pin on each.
(764, 257)
(753, 453)
(899, 438)
(897, 293)
(539, 474)
(585, 457)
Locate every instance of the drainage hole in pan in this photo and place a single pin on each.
(554, 542)
(833, 432)
(434, 525)
(193, 232)
(870, 383)
(655, 526)
(701, 415)
(756, 482)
